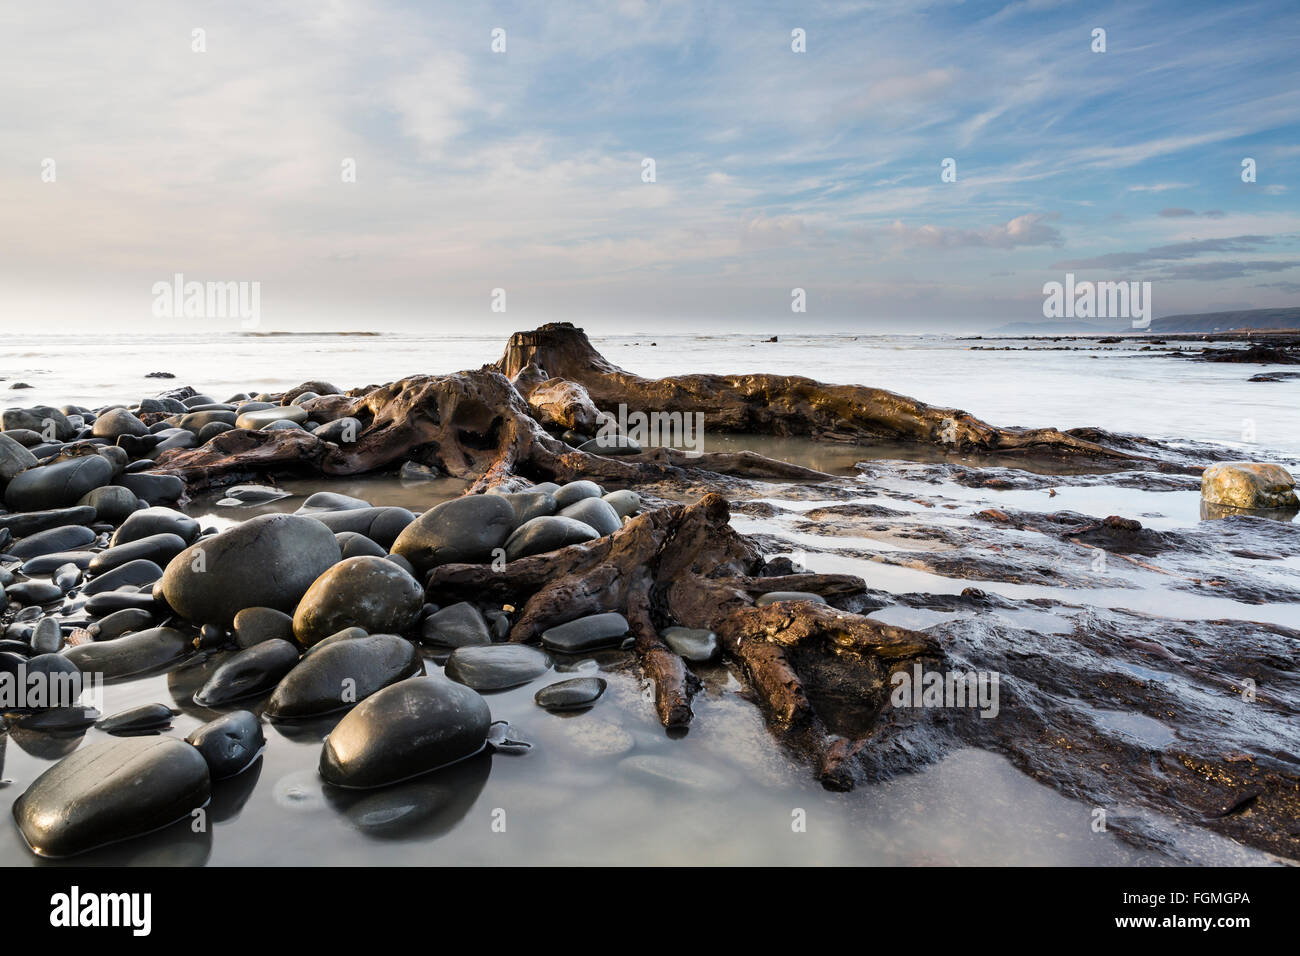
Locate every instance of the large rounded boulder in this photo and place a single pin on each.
(464, 530)
(268, 561)
(368, 592)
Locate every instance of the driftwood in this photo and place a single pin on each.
(685, 565)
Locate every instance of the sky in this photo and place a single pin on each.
(128, 156)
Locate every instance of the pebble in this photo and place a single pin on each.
(625, 503)
(253, 625)
(131, 574)
(158, 548)
(575, 491)
(229, 744)
(576, 693)
(148, 522)
(773, 597)
(460, 625)
(587, 633)
(694, 644)
(66, 538)
(131, 653)
(496, 666)
(267, 561)
(147, 718)
(597, 512)
(381, 525)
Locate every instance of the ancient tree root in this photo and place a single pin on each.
(780, 404)
(471, 425)
(685, 565)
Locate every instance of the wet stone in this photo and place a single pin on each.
(576, 693)
(776, 597)
(229, 744)
(694, 644)
(248, 672)
(406, 729)
(460, 625)
(587, 633)
(496, 666)
(109, 791)
(147, 718)
(343, 673)
(130, 654)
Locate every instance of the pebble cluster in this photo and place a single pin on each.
(306, 614)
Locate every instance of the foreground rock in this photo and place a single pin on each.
(1249, 486)
(267, 561)
(111, 791)
(405, 730)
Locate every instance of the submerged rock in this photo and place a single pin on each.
(366, 592)
(406, 729)
(694, 644)
(343, 673)
(228, 744)
(111, 791)
(1250, 486)
(146, 718)
(587, 633)
(496, 666)
(576, 693)
(253, 670)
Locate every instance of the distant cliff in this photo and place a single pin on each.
(1271, 319)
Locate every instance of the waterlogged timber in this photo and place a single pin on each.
(1009, 608)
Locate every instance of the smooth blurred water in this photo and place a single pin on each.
(1116, 387)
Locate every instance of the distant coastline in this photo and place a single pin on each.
(1240, 321)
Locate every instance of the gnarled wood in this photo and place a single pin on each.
(779, 404)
